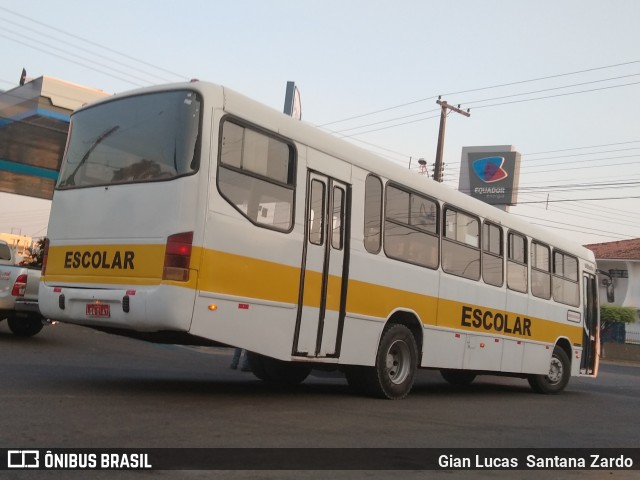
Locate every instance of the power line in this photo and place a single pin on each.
(78, 47)
(582, 148)
(390, 126)
(484, 106)
(584, 154)
(519, 82)
(574, 213)
(387, 121)
(583, 161)
(562, 223)
(559, 95)
(580, 200)
(608, 212)
(529, 167)
(21, 42)
(569, 212)
(607, 235)
(552, 89)
(178, 75)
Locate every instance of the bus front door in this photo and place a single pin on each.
(590, 327)
(324, 272)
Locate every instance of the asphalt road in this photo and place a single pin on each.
(73, 387)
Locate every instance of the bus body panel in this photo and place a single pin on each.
(114, 243)
(150, 309)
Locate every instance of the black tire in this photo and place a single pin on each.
(273, 370)
(459, 378)
(396, 363)
(557, 378)
(25, 326)
(257, 366)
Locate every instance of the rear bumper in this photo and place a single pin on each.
(26, 306)
(144, 309)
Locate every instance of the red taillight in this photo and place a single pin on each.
(177, 257)
(20, 286)
(45, 255)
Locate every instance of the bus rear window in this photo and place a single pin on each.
(147, 138)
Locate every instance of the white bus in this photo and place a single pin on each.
(191, 214)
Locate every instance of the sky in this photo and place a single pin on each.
(558, 80)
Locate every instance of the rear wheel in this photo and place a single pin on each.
(273, 370)
(557, 378)
(396, 363)
(25, 326)
(256, 365)
(459, 378)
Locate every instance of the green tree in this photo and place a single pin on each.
(610, 314)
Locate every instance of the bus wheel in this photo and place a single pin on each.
(25, 326)
(288, 373)
(256, 365)
(273, 370)
(395, 369)
(459, 378)
(557, 378)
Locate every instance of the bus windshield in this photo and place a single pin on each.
(147, 138)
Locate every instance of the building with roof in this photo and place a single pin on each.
(621, 260)
(34, 121)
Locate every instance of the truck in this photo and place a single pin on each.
(19, 294)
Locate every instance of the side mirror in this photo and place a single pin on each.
(608, 283)
(610, 295)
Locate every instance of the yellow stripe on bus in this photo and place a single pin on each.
(247, 277)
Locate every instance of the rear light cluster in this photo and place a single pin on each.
(19, 286)
(177, 257)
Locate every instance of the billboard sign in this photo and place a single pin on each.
(491, 174)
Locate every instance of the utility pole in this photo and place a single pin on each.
(438, 169)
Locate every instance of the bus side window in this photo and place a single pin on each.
(540, 270)
(337, 227)
(492, 254)
(316, 213)
(372, 214)
(410, 228)
(256, 176)
(517, 263)
(566, 288)
(461, 244)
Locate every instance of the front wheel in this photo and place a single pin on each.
(25, 326)
(557, 378)
(396, 363)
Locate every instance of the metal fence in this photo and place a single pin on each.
(632, 337)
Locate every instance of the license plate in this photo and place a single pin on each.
(101, 310)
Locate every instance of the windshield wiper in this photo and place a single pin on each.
(70, 180)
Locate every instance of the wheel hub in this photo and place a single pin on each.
(555, 371)
(398, 362)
